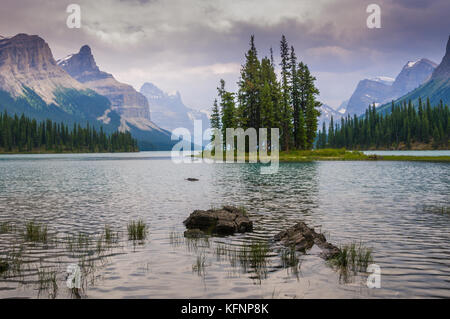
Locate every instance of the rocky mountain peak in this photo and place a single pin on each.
(447, 51)
(82, 66)
(130, 104)
(85, 50)
(36, 53)
(443, 70)
(27, 61)
(151, 90)
(413, 74)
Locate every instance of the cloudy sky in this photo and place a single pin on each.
(188, 45)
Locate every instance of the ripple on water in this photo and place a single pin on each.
(384, 204)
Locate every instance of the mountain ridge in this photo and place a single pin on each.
(436, 88)
(169, 110)
(377, 91)
(32, 83)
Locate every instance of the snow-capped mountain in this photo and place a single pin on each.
(168, 110)
(381, 89)
(326, 112)
(131, 105)
(435, 88)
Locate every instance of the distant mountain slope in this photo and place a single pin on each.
(32, 83)
(132, 106)
(437, 88)
(169, 111)
(413, 74)
(381, 90)
(326, 112)
(367, 92)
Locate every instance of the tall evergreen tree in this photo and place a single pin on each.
(215, 117)
(249, 87)
(285, 105)
(227, 108)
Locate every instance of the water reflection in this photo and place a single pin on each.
(392, 207)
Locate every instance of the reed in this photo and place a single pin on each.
(354, 256)
(35, 232)
(137, 230)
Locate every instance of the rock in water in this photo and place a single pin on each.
(302, 238)
(194, 233)
(4, 266)
(224, 221)
(192, 179)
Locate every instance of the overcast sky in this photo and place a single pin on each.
(188, 45)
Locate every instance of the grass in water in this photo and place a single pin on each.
(258, 252)
(289, 258)
(5, 227)
(354, 257)
(110, 236)
(137, 230)
(35, 232)
(47, 279)
(200, 265)
(176, 239)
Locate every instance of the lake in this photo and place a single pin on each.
(395, 208)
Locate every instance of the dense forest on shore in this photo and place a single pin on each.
(263, 101)
(405, 127)
(26, 135)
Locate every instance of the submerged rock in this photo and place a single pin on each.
(4, 266)
(224, 221)
(194, 233)
(303, 238)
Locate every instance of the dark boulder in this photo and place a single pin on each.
(303, 238)
(224, 221)
(4, 266)
(192, 179)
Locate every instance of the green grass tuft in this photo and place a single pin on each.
(354, 257)
(35, 232)
(137, 230)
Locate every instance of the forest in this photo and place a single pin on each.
(265, 101)
(405, 127)
(26, 135)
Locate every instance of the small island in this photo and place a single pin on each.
(341, 154)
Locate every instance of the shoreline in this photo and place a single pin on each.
(342, 155)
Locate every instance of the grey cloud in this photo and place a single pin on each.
(169, 42)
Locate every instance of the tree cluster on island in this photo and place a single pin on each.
(265, 101)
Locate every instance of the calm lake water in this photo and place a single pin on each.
(393, 207)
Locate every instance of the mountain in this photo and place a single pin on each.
(367, 92)
(436, 88)
(168, 110)
(442, 72)
(326, 112)
(413, 74)
(381, 90)
(132, 106)
(343, 107)
(32, 83)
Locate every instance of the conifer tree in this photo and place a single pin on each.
(285, 105)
